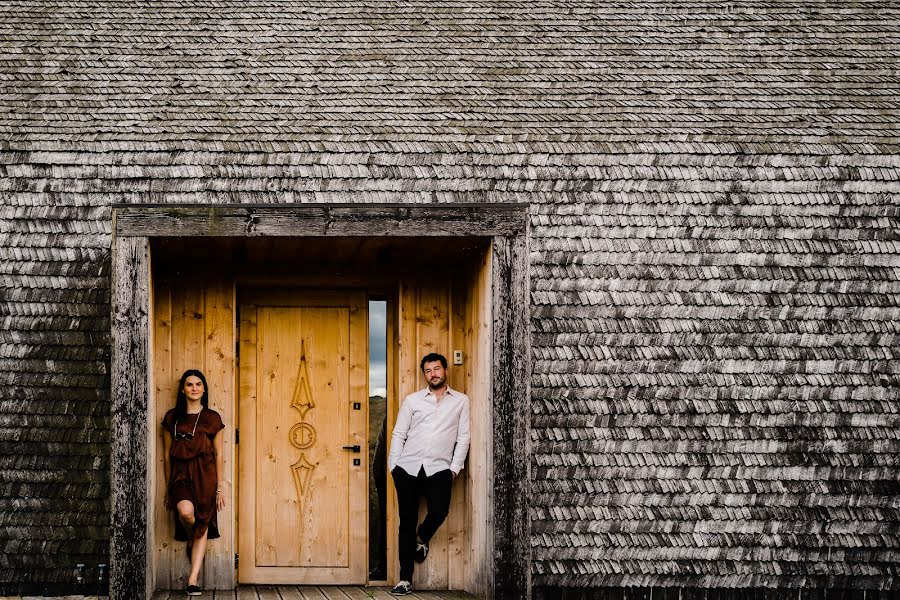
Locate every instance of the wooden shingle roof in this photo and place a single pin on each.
(715, 260)
(509, 71)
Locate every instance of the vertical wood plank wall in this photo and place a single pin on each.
(442, 316)
(193, 328)
(478, 578)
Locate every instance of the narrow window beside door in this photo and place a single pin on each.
(377, 438)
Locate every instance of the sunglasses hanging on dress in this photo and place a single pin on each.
(186, 436)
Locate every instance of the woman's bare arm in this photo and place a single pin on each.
(167, 444)
(218, 445)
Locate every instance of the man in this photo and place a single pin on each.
(428, 449)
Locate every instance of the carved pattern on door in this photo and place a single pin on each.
(302, 470)
(302, 435)
(302, 399)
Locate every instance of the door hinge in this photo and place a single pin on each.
(237, 435)
(235, 560)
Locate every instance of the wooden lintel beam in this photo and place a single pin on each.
(312, 220)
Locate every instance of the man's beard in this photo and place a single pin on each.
(437, 386)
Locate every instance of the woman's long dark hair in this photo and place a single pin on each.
(181, 400)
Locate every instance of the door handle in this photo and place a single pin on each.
(352, 448)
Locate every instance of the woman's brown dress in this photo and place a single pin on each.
(192, 470)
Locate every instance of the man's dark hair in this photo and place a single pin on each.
(431, 358)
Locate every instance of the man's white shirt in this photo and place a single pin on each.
(431, 434)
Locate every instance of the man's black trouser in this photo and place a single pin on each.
(436, 490)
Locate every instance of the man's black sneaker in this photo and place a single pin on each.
(402, 589)
(421, 552)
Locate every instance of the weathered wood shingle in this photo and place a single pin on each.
(506, 71)
(54, 390)
(715, 257)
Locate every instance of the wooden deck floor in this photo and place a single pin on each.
(311, 592)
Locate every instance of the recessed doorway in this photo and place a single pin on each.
(177, 271)
(297, 392)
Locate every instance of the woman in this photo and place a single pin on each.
(193, 460)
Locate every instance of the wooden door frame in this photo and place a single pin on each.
(133, 225)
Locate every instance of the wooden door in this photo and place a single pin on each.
(303, 387)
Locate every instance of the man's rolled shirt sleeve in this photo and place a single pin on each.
(398, 437)
(461, 449)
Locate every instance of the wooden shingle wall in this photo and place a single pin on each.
(715, 260)
(715, 394)
(715, 389)
(54, 391)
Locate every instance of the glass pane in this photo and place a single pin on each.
(377, 439)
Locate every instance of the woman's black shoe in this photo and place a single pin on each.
(193, 590)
